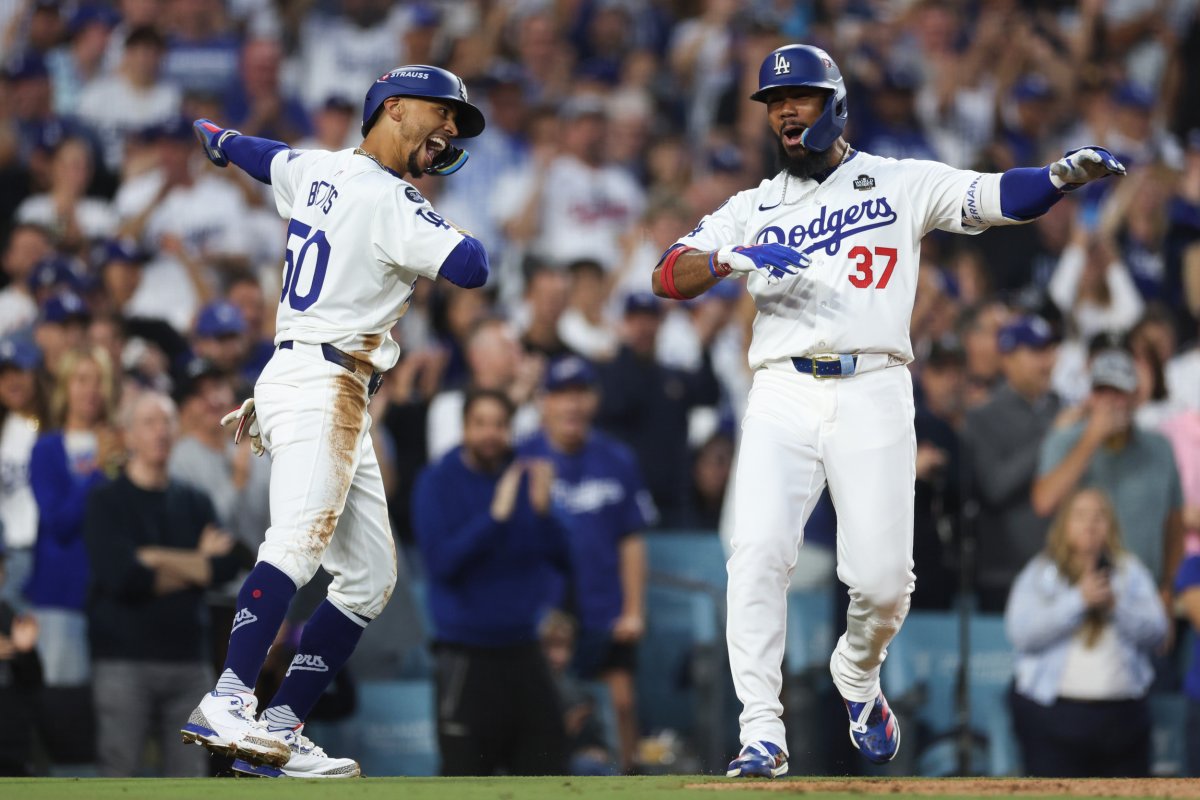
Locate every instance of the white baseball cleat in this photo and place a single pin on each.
(307, 761)
(224, 724)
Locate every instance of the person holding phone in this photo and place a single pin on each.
(1085, 618)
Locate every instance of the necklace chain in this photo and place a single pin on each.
(358, 151)
(787, 176)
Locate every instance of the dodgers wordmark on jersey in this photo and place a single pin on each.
(358, 239)
(862, 227)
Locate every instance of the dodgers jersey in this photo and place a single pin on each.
(862, 227)
(358, 239)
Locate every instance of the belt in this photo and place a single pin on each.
(827, 367)
(345, 361)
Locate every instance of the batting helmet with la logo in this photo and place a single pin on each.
(805, 65)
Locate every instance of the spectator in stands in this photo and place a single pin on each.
(1187, 588)
(30, 102)
(1092, 287)
(584, 326)
(69, 460)
(154, 548)
(73, 219)
(586, 745)
(580, 205)
(646, 405)
(1085, 618)
(26, 247)
(546, 300)
(333, 128)
(237, 483)
(133, 97)
(1135, 467)
(202, 51)
(492, 545)
(1003, 438)
(977, 330)
(606, 506)
(80, 60)
(119, 269)
(257, 104)
(494, 361)
(711, 466)
(246, 292)
(22, 414)
(61, 327)
(20, 682)
(220, 337)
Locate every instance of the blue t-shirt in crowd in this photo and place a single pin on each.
(1189, 577)
(489, 582)
(602, 496)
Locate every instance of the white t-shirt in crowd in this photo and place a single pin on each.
(18, 507)
(209, 215)
(117, 109)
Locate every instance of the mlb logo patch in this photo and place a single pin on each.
(864, 183)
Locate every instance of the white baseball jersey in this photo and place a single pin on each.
(358, 239)
(862, 227)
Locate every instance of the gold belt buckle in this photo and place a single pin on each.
(816, 361)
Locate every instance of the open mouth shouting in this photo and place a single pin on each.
(791, 133)
(434, 146)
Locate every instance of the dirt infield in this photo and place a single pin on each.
(941, 787)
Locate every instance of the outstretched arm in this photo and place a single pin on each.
(683, 273)
(251, 153)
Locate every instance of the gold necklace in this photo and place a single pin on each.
(358, 151)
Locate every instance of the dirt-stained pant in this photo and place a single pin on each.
(327, 499)
(799, 433)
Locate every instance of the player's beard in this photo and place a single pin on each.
(414, 160)
(807, 165)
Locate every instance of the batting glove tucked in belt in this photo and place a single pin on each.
(774, 261)
(1082, 166)
(247, 422)
(212, 137)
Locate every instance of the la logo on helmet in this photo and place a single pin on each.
(782, 67)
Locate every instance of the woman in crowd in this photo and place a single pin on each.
(67, 461)
(1085, 618)
(22, 413)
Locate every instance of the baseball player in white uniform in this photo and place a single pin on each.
(830, 247)
(359, 236)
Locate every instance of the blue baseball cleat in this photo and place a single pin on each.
(758, 760)
(874, 729)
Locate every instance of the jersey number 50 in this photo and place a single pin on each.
(863, 275)
(294, 265)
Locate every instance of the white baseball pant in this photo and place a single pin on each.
(328, 506)
(800, 432)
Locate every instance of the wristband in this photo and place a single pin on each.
(718, 271)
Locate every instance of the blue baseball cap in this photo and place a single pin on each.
(567, 372)
(1032, 88)
(643, 303)
(1032, 332)
(62, 307)
(19, 353)
(1132, 95)
(120, 250)
(56, 270)
(175, 129)
(26, 66)
(220, 318)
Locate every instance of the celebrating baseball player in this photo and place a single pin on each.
(830, 247)
(359, 236)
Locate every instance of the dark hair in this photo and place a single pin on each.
(478, 395)
(145, 34)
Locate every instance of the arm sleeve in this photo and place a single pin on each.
(114, 566)
(1138, 612)
(410, 235)
(287, 170)
(61, 500)
(253, 155)
(1042, 609)
(467, 264)
(447, 545)
(1026, 193)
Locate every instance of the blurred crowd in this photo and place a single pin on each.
(1052, 357)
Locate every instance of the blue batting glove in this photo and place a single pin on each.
(211, 138)
(774, 261)
(1084, 165)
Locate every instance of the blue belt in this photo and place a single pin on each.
(345, 361)
(832, 367)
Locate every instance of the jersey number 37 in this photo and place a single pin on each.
(314, 248)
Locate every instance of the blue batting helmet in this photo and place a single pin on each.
(804, 65)
(420, 80)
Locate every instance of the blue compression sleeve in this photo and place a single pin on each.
(1026, 193)
(467, 264)
(253, 155)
